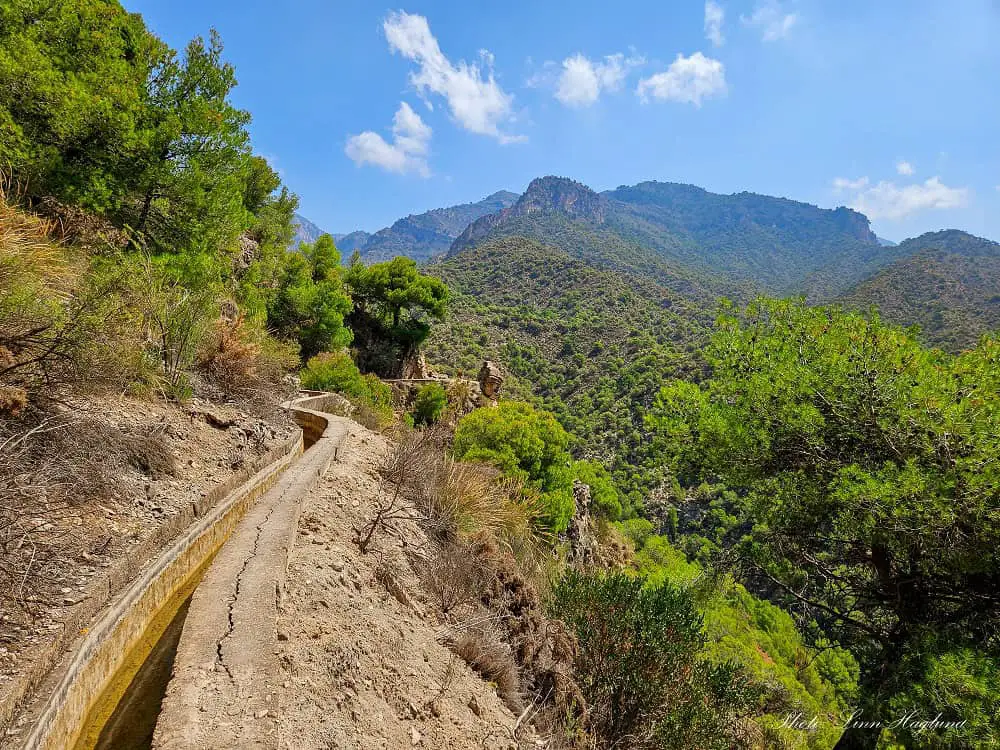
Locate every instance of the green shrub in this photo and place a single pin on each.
(638, 530)
(762, 639)
(336, 372)
(429, 404)
(639, 669)
(525, 444)
(603, 494)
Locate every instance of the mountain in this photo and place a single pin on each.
(886, 243)
(348, 243)
(948, 283)
(418, 236)
(305, 230)
(421, 236)
(779, 245)
(592, 345)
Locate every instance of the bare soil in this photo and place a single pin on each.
(204, 445)
(360, 643)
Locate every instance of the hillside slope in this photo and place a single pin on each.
(363, 668)
(949, 286)
(779, 245)
(422, 236)
(592, 345)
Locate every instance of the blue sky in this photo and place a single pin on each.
(373, 112)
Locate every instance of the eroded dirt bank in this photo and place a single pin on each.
(362, 662)
(139, 464)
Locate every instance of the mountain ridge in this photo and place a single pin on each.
(780, 245)
(418, 236)
(947, 284)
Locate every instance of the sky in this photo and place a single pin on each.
(373, 112)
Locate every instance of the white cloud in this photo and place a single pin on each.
(474, 97)
(842, 183)
(714, 16)
(688, 79)
(407, 152)
(886, 200)
(581, 81)
(904, 168)
(772, 20)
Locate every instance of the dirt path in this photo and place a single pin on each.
(226, 668)
(362, 668)
(131, 499)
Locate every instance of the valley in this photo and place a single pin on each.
(647, 468)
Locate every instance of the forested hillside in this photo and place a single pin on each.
(588, 344)
(948, 284)
(773, 244)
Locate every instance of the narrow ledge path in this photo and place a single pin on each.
(222, 693)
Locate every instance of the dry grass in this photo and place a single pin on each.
(454, 576)
(462, 499)
(26, 248)
(50, 466)
(240, 358)
(60, 323)
(242, 363)
(483, 650)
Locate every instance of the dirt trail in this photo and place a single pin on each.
(225, 671)
(362, 668)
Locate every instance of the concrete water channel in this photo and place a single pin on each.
(108, 693)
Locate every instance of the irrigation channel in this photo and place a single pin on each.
(108, 693)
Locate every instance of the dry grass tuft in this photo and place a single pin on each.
(51, 465)
(462, 499)
(244, 363)
(482, 649)
(454, 576)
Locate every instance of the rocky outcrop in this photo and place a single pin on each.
(583, 552)
(249, 250)
(414, 367)
(544, 195)
(490, 380)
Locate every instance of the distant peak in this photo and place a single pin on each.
(548, 194)
(503, 196)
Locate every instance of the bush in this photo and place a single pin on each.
(240, 357)
(638, 665)
(336, 372)
(603, 494)
(429, 404)
(527, 445)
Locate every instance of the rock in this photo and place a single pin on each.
(282, 635)
(582, 545)
(490, 380)
(475, 707)
(415, 736)
(414, 367)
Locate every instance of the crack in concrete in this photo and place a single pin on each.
(220, 656)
